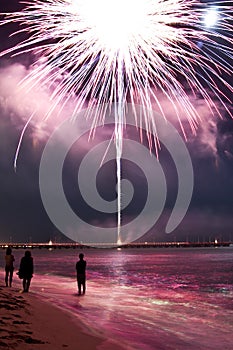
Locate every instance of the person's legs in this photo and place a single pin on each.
(28, 284)
(6, 276)
(24, 284)
(79, 286)
(11, 276)
(84, 286)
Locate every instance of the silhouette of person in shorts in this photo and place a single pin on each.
(9, 266)
(81, 273)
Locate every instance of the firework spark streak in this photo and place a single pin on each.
(109, 52)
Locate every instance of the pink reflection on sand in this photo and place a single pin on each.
(146, 300)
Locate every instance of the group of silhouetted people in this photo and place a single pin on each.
(26, 270)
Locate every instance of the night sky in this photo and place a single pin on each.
(22, 215)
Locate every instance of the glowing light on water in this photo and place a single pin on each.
(110, 52)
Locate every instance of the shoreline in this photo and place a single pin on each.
(187, 306)
(28, 322)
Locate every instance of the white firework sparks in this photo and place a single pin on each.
(110, 51)
(107, 52)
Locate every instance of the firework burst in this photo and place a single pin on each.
(109, 52)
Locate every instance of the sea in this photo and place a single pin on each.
(143, 298)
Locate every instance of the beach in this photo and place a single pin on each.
(28, 323)
(146, 299)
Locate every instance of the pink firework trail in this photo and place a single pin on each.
(109, 52)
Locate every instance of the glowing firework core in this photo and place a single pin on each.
(126, 25)
(211, 17)
(114, 24)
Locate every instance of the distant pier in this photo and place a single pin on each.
(145, 245)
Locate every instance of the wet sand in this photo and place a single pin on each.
(26, 322)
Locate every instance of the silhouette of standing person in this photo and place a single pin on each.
(9, 266)
(26, 270)
(81, 273)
